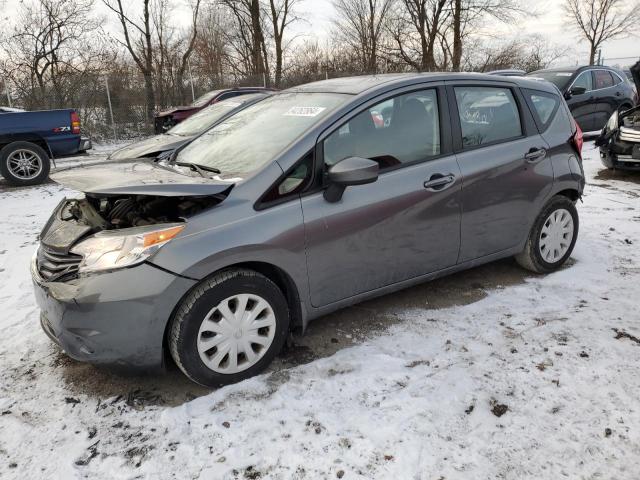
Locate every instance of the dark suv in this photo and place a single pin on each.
(302, 204)
(166, 119)
(593, 92)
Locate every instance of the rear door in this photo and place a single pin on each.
(505, 167)
(405, 224)
(607, 97)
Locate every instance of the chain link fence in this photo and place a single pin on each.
(113, 107)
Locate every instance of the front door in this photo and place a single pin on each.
(582, 106)
(404, 225)
(505, 166)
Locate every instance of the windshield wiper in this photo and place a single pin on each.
(199, 168)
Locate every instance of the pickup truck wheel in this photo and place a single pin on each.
(24, 163)
(229, 328)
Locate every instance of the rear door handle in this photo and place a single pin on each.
(439, 182)
(535, 154)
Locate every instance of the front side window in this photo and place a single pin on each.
(584, 80)
(403, 129)
(255, 135)
(487, 115)
(603, 79)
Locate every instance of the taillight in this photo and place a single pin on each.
(75, 123)
(578, 139)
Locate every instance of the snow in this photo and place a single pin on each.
(415, 401)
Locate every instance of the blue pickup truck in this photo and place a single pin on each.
(29, 141)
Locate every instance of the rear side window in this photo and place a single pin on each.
(602, 79)
(543, 106)
(487, 115)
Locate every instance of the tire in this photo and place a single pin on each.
(33, 172)
(536, 256)
(192, 339)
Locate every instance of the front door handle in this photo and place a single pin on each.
(439, 182)
(535, 154)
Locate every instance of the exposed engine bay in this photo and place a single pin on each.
(106, 213)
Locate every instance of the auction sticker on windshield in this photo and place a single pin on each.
(304, 111)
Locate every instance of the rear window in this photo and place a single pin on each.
(559, 78)
(602, 79)
(543, 106)
(487, 115)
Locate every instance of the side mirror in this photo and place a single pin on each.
(577, 91)
(347, 172)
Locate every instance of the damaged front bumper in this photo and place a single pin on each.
(114, 318)
(619, 141)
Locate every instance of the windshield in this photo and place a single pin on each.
(205, 118)
(254, 136)
(204, 99)
(559, 78)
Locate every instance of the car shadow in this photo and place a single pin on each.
(324, 337)
(615, 174)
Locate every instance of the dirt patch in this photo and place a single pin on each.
(622, 334)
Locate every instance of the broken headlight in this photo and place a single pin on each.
(108, 250)
(612, 124)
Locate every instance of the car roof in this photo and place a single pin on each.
(365, 83)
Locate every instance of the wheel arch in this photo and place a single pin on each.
(35, 139)
(274, 273)
(571, 193)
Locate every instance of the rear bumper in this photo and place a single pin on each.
(116, 318)
(85, 144)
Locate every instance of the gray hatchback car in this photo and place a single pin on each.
(316, 198)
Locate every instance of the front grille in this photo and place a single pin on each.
(57, 267)
(629, 135)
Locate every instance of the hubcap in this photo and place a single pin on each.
(236, 333)
(25, 164)
(556, 235)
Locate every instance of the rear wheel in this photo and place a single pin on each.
(229, 328)
(552, 237)
(24, 163)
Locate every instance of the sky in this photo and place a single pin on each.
(550, 22)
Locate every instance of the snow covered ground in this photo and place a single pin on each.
(539, 379)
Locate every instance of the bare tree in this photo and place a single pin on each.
(414, 30)
(281, 13)
(140, 46)
(247, 38)
(467, 14)
(361, 25)
(210, 60)
(50, 50)
(601, 20)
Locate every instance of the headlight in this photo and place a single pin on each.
(108, 250)
(612, 124)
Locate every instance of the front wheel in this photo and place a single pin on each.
(24, 163)
(552, 237)
(229, 328)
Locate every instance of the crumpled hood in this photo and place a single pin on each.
(149, 147)
(171, 111)
(138, 177)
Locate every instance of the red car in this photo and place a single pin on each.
(166, 119)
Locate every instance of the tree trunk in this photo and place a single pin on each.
(457, 36)
(592, 54)
(149, 94)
